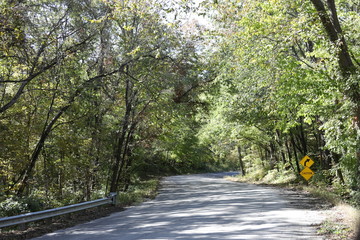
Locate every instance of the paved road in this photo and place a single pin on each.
(203, 206)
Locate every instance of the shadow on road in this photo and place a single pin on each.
(203, 207)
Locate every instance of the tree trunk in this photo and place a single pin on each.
(280, 144)
(241, 163)
(273, 156)
(35, 155)
(336, 157)
(289, 154)
(120, 147)
(129, 159)
(302, 137)
(295, 153)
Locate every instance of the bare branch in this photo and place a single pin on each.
(12, 81)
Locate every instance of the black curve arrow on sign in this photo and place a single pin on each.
(306, 161)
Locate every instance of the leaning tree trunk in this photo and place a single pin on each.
(35, 155)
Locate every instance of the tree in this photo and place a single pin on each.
(28, 52)
(278, 73)
(349, 72)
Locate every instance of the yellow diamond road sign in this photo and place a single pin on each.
(307, 173)
(306, 161)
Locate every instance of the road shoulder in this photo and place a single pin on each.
(340, 221)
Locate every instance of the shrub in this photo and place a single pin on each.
(15, 206)
(11, 207)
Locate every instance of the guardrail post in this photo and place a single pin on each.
(113, 195)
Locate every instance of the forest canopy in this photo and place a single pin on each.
(97, 94)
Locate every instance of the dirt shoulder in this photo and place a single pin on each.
(341, 220)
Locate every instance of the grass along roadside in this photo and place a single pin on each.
(342, 219)
(341, 223)
(139, 192)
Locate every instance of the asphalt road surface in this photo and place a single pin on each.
(203, 206)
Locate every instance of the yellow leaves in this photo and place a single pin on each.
(158, 55)
(100, 20)
(128, 28)
(253, 60)
(95, 20)
(134, 52)
(171, 24)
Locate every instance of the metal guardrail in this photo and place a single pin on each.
(34, 216)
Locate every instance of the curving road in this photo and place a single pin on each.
(203, 206)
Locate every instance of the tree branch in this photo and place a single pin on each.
(50, 65)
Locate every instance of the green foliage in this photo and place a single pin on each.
(139, 191)
(280, 92)
(93, 95)
(11, 207)
(334, 229)
(15, 206)
(96, 94)
(322, 178)
(279, 176)
(354, 198)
